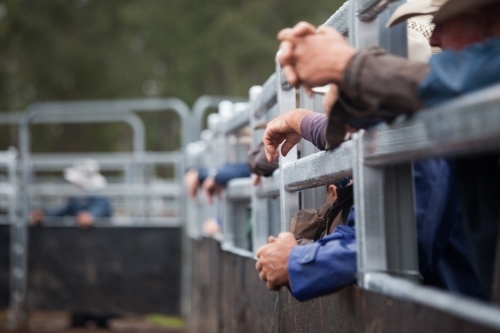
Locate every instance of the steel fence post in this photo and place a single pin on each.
(289, 201)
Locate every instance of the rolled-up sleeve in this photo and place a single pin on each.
(312, 128)
(325, 266)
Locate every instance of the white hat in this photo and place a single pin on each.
(414, 8)
(85, 174)
(419, 48)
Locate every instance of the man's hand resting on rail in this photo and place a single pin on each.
(285, 128)
(273, 260)
(313, 59)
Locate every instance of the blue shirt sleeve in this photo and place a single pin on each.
(202, 174)
(455, 73)
(65, 210)
(324, 266)
(99, 207)
(228, 172)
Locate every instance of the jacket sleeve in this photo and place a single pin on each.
(325, 266)
(258, 164)
(99, 207)
(231, 171)
(378, 84)
(312, 129)
(456, 73)
(66, 209)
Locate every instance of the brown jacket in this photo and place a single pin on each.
(375, 85)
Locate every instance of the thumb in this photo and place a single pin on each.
(286, 147)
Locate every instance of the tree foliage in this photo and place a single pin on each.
(90, 49)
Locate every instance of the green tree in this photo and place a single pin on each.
(89, 49)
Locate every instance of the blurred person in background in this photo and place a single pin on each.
(84, 174)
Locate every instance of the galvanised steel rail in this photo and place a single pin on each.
(202, 105)
(380, 162)
(111, 161)
(469, 124)
(120, 106)
(339, 19)
(85, 112)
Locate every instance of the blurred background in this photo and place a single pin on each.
(68, 50)
(88, 49)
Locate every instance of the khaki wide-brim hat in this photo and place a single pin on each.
(456, 7)
(414, 8)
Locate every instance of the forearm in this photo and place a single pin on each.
(258, 163)
(323, 267)
(377, 84)
(312, 128)
(231, 171)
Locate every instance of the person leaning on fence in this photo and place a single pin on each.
(213, 183)
(309, 225)
(373, 83)
(466, 278)
(84, 174)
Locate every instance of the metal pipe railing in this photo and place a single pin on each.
(124, 105)
(380, 162)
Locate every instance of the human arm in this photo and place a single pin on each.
(283, 129)
(192, 181)
(453, 74)
(258, 163)
(323, 267)
(228, 172)
(213, 185)
(272, 263)
(313, 59)
(98, 207)
(64, 210)
(372, 81)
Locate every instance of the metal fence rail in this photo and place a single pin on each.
(380, 161)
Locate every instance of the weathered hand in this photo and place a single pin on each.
(273, 260)
(36, 216)
(191, 183)
(283, 129)
(287, 37)
(211, 188)
(84, 219)
(316, 59)
(255, 179)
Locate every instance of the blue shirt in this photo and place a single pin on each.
(98, 206)
(225, 173)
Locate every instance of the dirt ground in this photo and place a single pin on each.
(50, 322)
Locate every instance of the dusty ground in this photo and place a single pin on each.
(59, 322)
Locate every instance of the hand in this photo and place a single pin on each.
(287, 37)
(255, 179)
(191, 183)
(211, 188)
(273, 260)
(84, 219)
(317, 59)
(284, 128)
(211, 227)
(36, 216)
